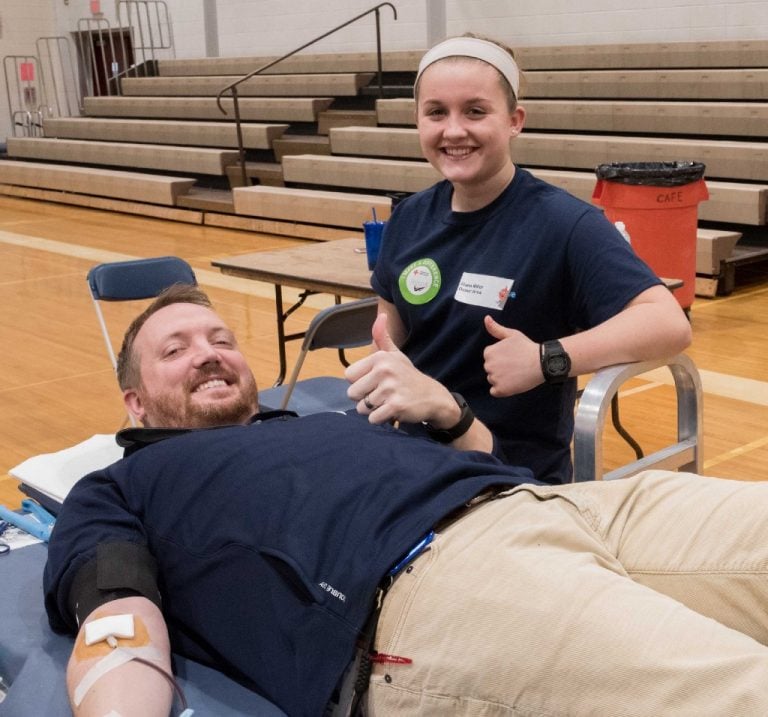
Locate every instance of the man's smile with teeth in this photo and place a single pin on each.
(213, 383)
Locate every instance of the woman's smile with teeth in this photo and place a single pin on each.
(457, 151)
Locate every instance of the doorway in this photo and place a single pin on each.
(103, 56)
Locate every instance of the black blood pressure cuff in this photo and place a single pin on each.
(118, 570)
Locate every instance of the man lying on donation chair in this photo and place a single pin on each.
(333, 564)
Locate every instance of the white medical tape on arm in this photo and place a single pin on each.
(118, 656)
(109, 628)
(479, 49)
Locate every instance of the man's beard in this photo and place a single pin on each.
(168, 412)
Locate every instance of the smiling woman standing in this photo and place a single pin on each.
(498, 288)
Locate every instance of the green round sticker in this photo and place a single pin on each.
(420, 281)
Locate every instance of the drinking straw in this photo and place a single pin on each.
(373, 209)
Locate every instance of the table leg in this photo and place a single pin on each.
(280, 320)
(282, 337)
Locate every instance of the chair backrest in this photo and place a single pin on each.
(342, 326)
(133, 280)
(685, 454)
(138, 279)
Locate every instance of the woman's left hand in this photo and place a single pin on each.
(512, 364)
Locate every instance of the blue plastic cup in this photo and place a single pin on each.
(373, 232)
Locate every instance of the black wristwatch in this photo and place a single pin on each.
(555, 362)
(448, 435)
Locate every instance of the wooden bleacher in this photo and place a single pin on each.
(383, 175)
(729, 202)
(723, 159)
(336, 85)
(303, 63)
(190, 133)
(252, 109)
(195, 160)
(133, 186)
(730, 84)
(715, 53)
(308, 206)
(723, 119)
(321, 148)
(301, 144)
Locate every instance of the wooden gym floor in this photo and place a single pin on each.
(57, 387)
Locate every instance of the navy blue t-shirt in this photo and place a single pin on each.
(270, 538)
(536, 259)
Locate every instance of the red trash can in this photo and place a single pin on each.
(658, 203)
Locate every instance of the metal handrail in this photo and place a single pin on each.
(24, 92)
(86, 27)
(149, 31)
(152, 18)
(31, 122)
(59, 77)
(232, 87)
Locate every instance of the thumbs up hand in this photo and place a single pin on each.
(382, 341)
(512, 364)
(388, 387)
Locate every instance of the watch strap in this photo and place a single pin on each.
(448, 435)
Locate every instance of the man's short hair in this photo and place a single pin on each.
(128, 371)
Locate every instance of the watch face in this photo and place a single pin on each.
(557, 365)
(555, 362)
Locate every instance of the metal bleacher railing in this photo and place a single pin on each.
(59, 77)
(48, 84)
(42, 85)
(25, 104)
(150, 24)
(232, 87)
(150, 29)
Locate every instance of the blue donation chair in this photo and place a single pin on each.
(342, 326)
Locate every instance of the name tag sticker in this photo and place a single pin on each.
(490, 292)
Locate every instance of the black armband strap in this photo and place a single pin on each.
(448, 435)
(118, 570)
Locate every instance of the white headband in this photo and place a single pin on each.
(483, 50)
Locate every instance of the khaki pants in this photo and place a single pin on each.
(646, 596)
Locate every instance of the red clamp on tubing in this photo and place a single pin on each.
(382, 658)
